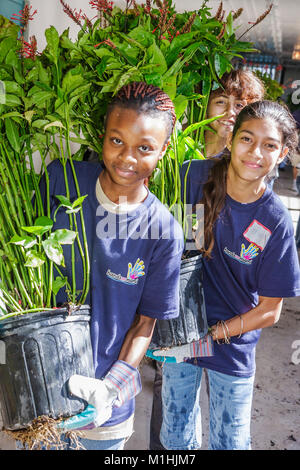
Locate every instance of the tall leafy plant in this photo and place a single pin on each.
(31, 252)
(59, 96)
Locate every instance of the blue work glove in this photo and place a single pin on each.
(121, 383)
(82, 420)
(201, 348)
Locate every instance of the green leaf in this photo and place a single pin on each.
(197, 125)
(5, 46)
(79, 201)
(66, 43)
(144, 38)
(40, 98)
(169, 86)
(44, 221)
(54, 124)
(131, 75)
(13, 59)
(229, 24)
(54, 251)
(29, 115)
(71, 81)
(155, 56)
(178, 44)
(52, 38)
(221, 64)
(12, 100)
(13, 88)
(64, 201)
(12, 134)
(44, 75)
(40, 123)
(26, 242)
(154, 79)
(78, 140)
(11, 115)
(34, 259)
(180, 103)
(102, 66)
(63, 236)
(131, 41)
(41, 225)
(58, 283)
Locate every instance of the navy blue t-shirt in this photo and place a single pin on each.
(135, 263)
(254, 255)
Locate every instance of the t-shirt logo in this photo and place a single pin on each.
(250, 252)
(133, 273)
(258, 234)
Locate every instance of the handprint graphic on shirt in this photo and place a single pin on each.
(250, 252)
(137, 270)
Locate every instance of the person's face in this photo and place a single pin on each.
(255, 149)
(133, 144)
(224, 104)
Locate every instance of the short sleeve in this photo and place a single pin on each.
(279, 273)
(160, 298)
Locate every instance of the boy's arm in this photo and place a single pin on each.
(123, 381)
(137, 340)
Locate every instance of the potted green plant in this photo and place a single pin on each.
(185, 55)
(41, 345)
(59, 96)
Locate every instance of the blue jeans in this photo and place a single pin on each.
(229, 409)
(113, 444)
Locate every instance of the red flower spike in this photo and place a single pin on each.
(102, 5)
(29, 49)
(108, 42)
(24, 16)
(71, 13)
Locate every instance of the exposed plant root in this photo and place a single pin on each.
(43, 434)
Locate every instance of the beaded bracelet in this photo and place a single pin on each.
(225, 329)
(226, 335)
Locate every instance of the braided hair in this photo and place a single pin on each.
(145, 98)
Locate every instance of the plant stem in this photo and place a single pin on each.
(85, 255)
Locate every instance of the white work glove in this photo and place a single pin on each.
(201, 348)
(121, 383)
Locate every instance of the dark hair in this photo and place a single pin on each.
(147, 99)
(214, 190)
(243, 84)
(279, 113)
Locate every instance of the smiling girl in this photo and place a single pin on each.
(238, 88)
(250, 264)
(135, 248)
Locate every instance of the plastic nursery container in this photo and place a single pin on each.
(39, 353)
(191, 325)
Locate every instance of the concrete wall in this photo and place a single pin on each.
(50, 12)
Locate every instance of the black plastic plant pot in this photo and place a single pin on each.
(39, 353)
(191, 325)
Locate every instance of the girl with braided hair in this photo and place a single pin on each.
(135, 248)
